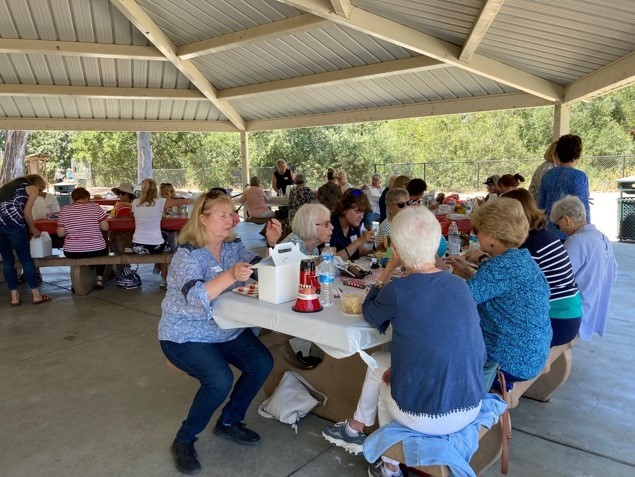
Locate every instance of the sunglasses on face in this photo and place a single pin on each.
(556, 222)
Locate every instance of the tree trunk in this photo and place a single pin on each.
(144, 156)
(14, 150)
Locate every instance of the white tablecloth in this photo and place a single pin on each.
(337, 334)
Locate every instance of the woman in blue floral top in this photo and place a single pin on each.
(510, 290)
(210, 261)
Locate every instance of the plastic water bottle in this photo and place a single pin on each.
(326, 276)
(454, 239)
(468, 207)
(474, 245)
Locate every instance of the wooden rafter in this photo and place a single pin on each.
(407, 65)
(28, 90)
(342, 7)
(140, 19)
(425, 44)
(481, 25)
(288, 26)
(62, 124)
(86, 50)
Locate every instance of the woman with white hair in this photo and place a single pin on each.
(342, 180)
(593, 262)
(428, 328)
(311, 227)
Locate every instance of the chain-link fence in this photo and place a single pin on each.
(603, 171)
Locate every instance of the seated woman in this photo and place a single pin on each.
(396, 201)
(208, 262)
(125, 192)
(255, 199)
(423, 383)
(510, 290)
(346, 219)
(118, 241)
(311, 227)
(148, 212)
(565, 304)
(592, 259)
(299, 195)
(82, 224)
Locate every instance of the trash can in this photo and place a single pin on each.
(626, 209)
(63, 193)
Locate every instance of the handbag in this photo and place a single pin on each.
(292, 399)
(128, 278)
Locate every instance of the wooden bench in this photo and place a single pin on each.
(84, 279)
(541, 388)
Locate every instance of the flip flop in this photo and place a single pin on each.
(45, 298)
(17, 304)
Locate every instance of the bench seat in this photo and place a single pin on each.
(84, 279)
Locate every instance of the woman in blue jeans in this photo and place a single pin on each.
(16, 222)
(209, 261)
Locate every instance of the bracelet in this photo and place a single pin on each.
(347, 254)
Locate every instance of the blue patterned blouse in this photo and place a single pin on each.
(512, 297)
(559, 182)
(186, 311)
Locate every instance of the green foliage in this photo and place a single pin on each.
(112, 156)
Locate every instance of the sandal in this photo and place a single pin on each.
(19, 302)
(99, 285)
(44, 299)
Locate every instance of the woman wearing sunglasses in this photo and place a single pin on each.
(347, 237)
(209, 262)
(396, 201)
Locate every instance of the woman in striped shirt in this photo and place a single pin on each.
(82, 224)
(565, 303)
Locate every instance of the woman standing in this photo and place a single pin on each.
(16, 219)
(148, 212)
(541, 170)
(282, 178)
(208, 262)
(565, 180)
(347, 237)
(565, 304)
(82, 223)
(510, 290)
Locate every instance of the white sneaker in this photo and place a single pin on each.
(163, 284)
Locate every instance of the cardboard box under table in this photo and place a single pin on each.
(341, 373)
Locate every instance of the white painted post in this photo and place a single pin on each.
(561, 115)
(244, 156)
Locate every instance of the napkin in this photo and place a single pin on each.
(249, 290)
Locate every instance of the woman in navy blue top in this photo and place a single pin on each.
(347, 217)
(510, 290)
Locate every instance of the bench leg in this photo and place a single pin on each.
(84, 278)
(490, 448)
(547, 384)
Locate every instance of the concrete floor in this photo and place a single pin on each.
(85, 392)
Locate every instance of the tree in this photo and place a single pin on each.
(14, 151)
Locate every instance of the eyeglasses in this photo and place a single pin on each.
(401, 205)
(324, 224)
(556, 222)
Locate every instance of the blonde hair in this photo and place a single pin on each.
(193, 231)
(149, 192)
(306, 217)
(167, 187)
(550, 153)
(416, 222)
(401, 182)
(504, 219)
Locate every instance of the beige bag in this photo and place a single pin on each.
(292, 399)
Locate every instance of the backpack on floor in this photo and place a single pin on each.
(128, 278)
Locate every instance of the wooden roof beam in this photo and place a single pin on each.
(342, 7)
(615, 75)
(140, 19)
(481, 25)
(407, 65)
(62, 124)
(288, 26)
(85, 50)
(422, 43)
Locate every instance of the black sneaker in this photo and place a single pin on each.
(237, 432)
(185, 458)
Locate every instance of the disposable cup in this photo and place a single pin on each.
(351, 303)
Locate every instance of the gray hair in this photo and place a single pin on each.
(571, 206)
(306, 217)
(416, 222)
(392, 195)
(376, 176)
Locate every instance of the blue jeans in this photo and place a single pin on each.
(209, 363)
(14, 238)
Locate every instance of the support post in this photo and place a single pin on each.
(244, 156)
(561, 115)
